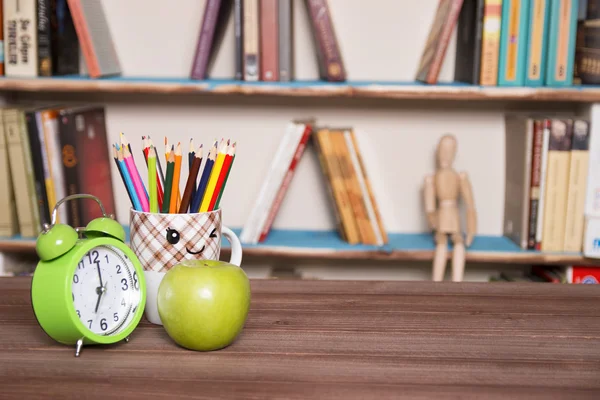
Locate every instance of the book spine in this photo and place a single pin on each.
(70, 161)
(39, 178)
(534, 192)
(536, 43)
(205, 39)
(543, 170)
(333, 69)
(65, 44)
(561, 43)
(327, 174)
(466, 34)
(52, 140)
(285, 40)
(85, 40)
(574, 225)
(490, 43)
(527, 184)
(30, 173)
(478, 42)
(251, 40)
(238, 27)
(2, 50)
(8, 219)
(48, 181)
(513, 43)
(269, 46)
(365, 231)
(21, 38)
(555, 196)
(44, 39)
(285, 184)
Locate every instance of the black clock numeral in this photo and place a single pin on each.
(103, 324)
(75, 278)
(73, 296)
(81, 264)
(78, 313)
(123, 303)
(106, 256)
(136, 284)
(125, 285)
(118, 269)
(96, 255)
(90, 323)
(116, 317)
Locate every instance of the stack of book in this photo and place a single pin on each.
(354, 204)
(505, 42)
(47, 153)
(43, 38)
(264, 48)
(546, 182)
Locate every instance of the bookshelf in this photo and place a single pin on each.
(327, 245)
(309, 88)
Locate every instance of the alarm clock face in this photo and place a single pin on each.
(106, 290)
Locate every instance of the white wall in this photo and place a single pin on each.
(380, 40)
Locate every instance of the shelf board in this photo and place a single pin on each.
(327, 245)
(353, 89)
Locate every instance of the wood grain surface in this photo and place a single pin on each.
(334, 340)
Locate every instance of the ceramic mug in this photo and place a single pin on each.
(161, 241)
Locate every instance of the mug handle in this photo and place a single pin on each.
(236, 246)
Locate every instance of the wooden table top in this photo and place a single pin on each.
(334, 340)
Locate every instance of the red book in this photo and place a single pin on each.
(269, 45)
(285, 183)
(579, 274)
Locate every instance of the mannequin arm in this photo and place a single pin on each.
(429, 199)
(467, 195)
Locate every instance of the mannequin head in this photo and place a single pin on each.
(446, 151)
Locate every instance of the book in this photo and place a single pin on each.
(251, 28)
(238, 29)
(561, 42)
(2, 50)
(329, 55)
(44, 40)
(534, 190)
(578, 170)
(50, 128)
(535, 72)
(469, 31)
(8, 217)
(490, 42)
(546, 126)
(556, 186)
(583, 275)
(286, 40)
(37, 156)
(519, 134)
(63, 36)
(513, 43)
(86, 165)
(269, 36)
(95, 38)
(20, 33)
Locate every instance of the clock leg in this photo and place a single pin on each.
(127, 339)
(78, 347)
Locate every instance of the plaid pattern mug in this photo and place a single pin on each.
(161, 241)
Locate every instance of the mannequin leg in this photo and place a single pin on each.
(458, 257)
(439, 259)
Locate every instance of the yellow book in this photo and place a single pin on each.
(578, 172)
(557, 180)
(214, 177)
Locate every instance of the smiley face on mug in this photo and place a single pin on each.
(192, 246)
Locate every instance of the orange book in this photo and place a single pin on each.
(490, 43)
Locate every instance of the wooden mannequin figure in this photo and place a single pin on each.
(441, 192)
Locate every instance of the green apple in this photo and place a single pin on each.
(203, 304)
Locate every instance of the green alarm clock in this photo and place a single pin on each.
(88, 287)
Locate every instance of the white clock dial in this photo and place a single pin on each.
(106, 290)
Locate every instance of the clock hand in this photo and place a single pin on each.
(99, 274)
(100, 291)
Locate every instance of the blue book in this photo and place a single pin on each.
(513, 42)
(561, 42)
(539, 15)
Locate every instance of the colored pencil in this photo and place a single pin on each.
(210, 161)
(152, 180)
(136, 179)
(128, 187)
(125, 142)
(167, 151)
(214, 176)
(191, 156)
(159, 184)
(161, 175)
(226, 178)
(176, 175)
(222, 178)
(191, 181)
(168, 182)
